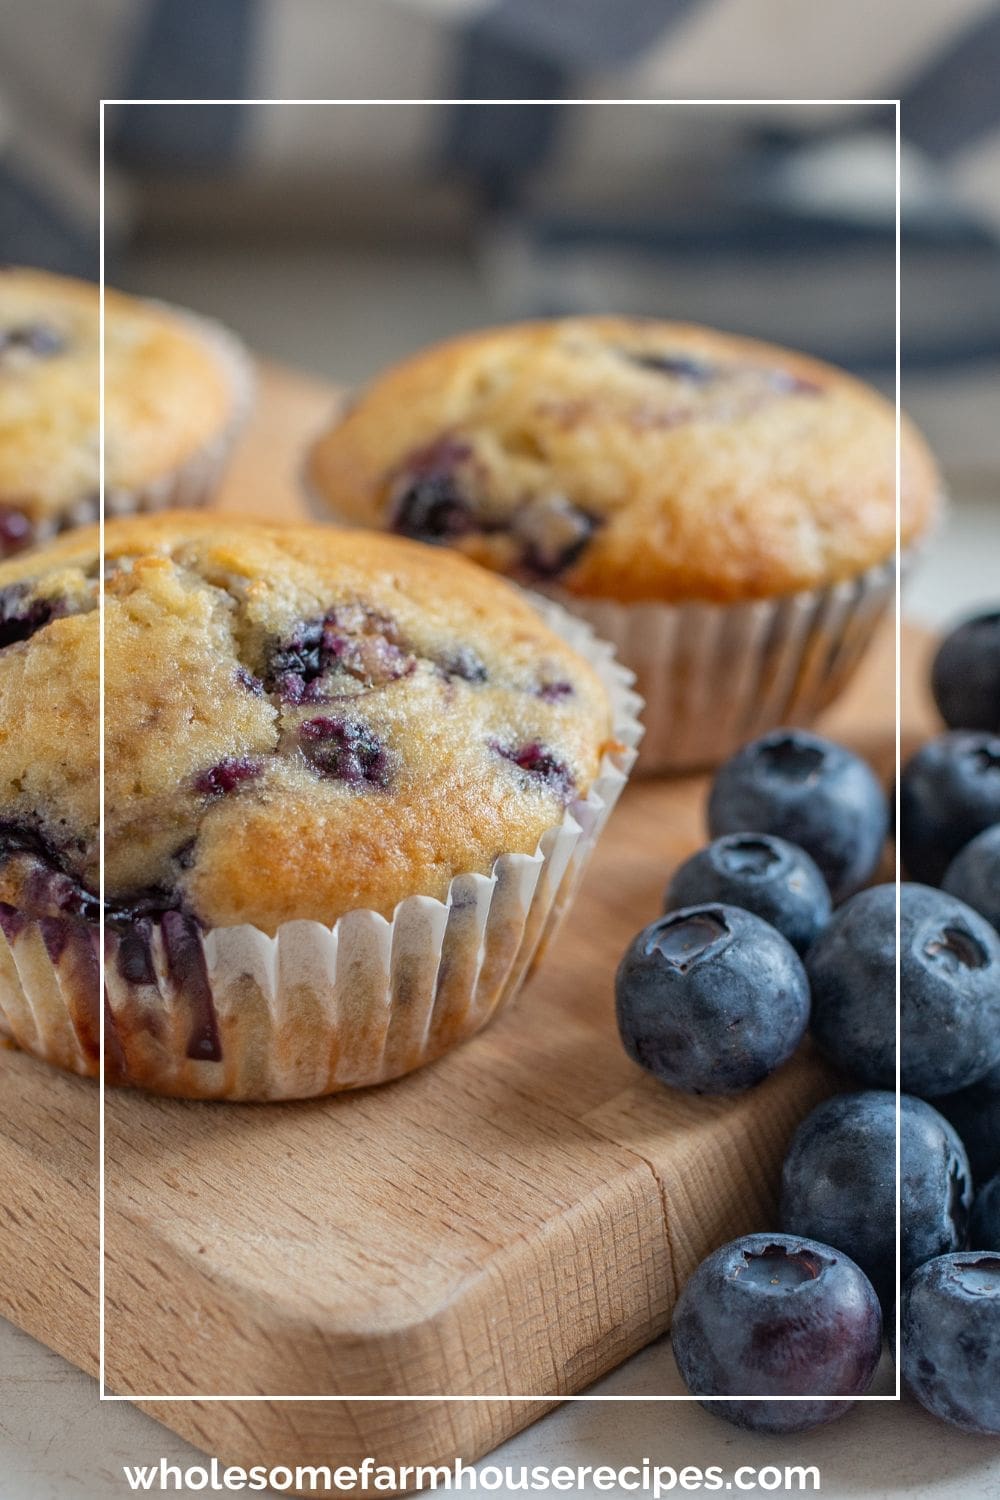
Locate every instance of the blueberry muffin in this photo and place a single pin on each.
(302, 726)
(630, 460)
(174, 388)
(698, 497)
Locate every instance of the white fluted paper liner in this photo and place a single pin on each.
(714, 676)
(315, 1010)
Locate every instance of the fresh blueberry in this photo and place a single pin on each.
(711, 999)
(984, 1226)
(965, 677)
(950, 990)
(776, 1315)
(221, 779)
(838, 1183)
(811, 792)
(949, 792)
(974, 875)
(949, 1329)
(540, 765)
(765, 875)
(346, 750)
(975, 1114)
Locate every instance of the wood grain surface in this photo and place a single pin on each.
(512, 1222)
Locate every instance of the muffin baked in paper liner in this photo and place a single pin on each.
(714, 676)
(233, 1013)
(194, 480)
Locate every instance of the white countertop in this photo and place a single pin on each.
(58, 1443)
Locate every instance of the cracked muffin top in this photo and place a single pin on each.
(166, 395)
(630, 460)
(299, 721)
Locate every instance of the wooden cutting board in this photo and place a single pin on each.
(512, 1222)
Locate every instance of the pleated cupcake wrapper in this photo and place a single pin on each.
(716, 675)
(236, 1014)
(193, 482)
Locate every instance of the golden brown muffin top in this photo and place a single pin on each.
(166, 395)
(299, 721)
(630, 459)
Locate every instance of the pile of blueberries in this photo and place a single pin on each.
(774, 928)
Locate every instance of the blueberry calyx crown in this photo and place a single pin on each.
(979, 1275)
(753, 856)
(686, 938)
(779, 1266)
(986, 757)
(792, 759)
(955, 949)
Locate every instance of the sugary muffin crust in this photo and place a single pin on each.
(166, 396)
(630, 460)
(300, 721)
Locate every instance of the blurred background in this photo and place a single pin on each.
(338, 237)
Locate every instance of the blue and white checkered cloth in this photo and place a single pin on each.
(580, 199)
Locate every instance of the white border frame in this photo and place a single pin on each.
(552, 1400)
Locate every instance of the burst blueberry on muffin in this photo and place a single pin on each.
(174, 389)
(301, 724)
(638, 467)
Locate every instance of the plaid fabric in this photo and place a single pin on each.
(570, 196)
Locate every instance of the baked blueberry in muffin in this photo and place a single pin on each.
(300, 724)
(170, 395)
